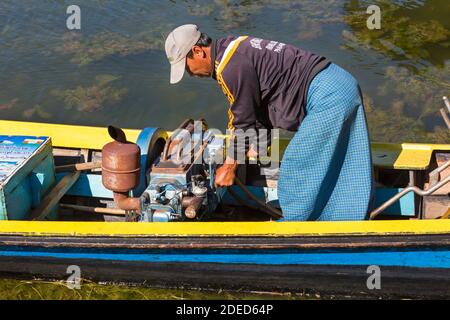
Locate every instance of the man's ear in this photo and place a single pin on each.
(198, 51)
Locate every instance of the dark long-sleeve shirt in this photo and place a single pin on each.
(266, 83)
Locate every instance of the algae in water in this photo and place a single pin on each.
(392, 125)
(37, 110)
(9, 104)
(57, 290)
(401, 36)
(85, 50)
(93, 97)
(420, 90)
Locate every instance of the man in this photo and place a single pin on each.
(326, 170)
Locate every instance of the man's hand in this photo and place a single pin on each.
(252, 153)
(226, 173)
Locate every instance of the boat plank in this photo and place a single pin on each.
(52, 199)
(244, 243)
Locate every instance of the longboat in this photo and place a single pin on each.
(56, 212)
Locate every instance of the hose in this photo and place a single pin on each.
(275, 213)
(239, 199)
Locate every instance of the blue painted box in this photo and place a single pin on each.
(27, 173)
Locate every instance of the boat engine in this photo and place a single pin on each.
(180, 181)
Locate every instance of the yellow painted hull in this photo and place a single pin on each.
(224, 229)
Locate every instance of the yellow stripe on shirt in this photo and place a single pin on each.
(229, 52)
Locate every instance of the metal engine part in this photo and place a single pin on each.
(181, 181)
(121, 169)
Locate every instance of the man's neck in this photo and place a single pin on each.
(212, 56)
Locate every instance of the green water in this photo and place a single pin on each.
(45, 290)
(114, 70)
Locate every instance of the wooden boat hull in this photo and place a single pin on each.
(293, 257)
(325, 280)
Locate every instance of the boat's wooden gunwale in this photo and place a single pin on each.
(235, 243)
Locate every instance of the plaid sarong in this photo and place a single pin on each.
(326, 171)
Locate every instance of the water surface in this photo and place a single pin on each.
(114, 70)
(58, 290)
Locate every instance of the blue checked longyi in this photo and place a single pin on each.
(326, 170)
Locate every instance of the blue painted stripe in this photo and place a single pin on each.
(87, 185)
(424, 258)
(403, 207)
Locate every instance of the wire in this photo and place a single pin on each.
(239, 199)
(269, 209)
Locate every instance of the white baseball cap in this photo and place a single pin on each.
(178, 44)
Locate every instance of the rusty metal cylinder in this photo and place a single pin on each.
(120, 166)
(192, 205)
